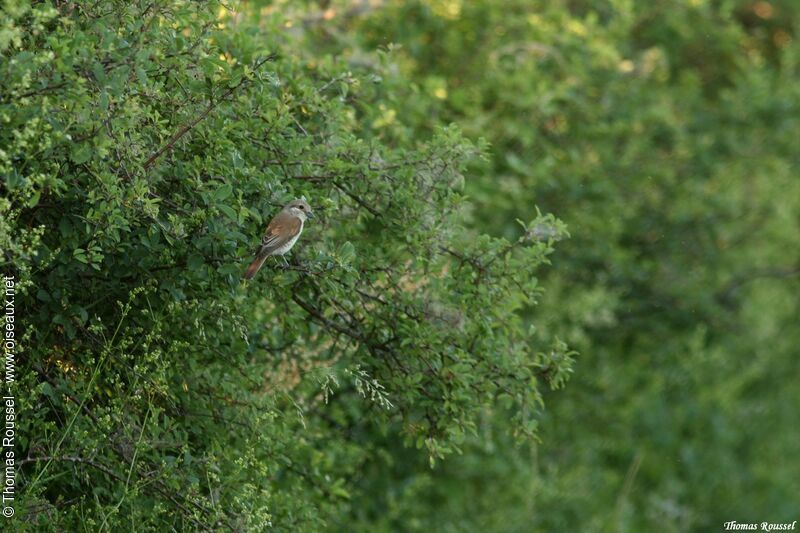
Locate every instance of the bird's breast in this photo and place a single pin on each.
(288, 246)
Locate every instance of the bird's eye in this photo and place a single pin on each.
(300, 207)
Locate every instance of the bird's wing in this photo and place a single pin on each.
(281, 229)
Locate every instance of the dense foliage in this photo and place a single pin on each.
(397, 374)
(144, 145)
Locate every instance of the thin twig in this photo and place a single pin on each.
(211, 106)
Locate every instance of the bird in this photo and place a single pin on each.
(282, 232)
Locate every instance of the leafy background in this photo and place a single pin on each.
(513, 196)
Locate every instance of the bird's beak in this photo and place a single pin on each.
(310, 214)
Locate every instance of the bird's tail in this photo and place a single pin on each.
(255, 266)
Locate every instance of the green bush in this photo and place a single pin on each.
(144, 147)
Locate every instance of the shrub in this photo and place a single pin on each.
(144, 147)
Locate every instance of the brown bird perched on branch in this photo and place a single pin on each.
(282, 232)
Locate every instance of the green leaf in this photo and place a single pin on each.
(229, 212)
(81, 153)
(195, 262)
(34, 199)
(346, 252)
(223, 192)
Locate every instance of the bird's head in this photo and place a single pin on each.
(299, 208)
